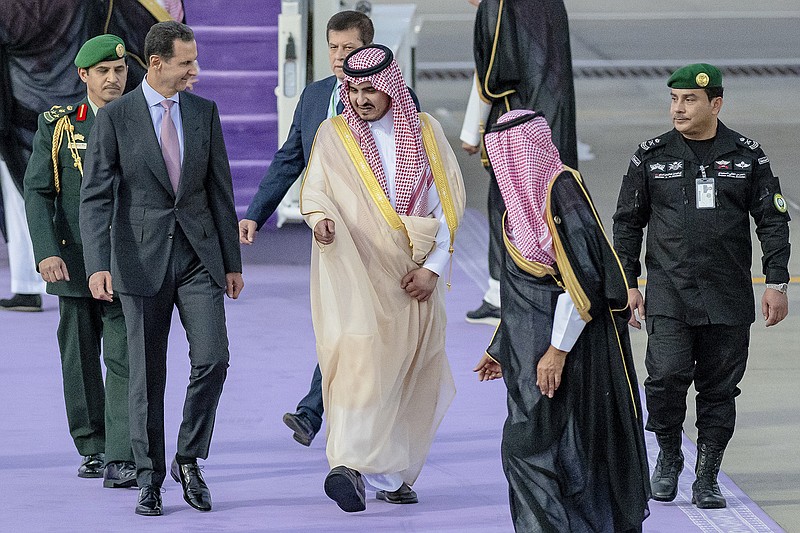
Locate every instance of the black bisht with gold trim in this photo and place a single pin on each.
(582, 450)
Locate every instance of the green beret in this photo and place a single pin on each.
(696, 76)
(105, 47)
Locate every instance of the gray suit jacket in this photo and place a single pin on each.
(129, 213)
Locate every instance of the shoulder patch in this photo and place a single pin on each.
(763, 161)
(779, 202)
(636, 161)
(749, 143)
(646, 145)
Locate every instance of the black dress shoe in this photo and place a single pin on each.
(345, 486)
(22, 302)
(485, 314)
(195, 490)
(303, 430)
(402, 495)
(119, 475)
(92, 465)
(149, 501)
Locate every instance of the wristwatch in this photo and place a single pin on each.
(780, 287)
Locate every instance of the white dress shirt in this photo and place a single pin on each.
(383, 133)
(567, 324)
(476, 114)
(154, 100)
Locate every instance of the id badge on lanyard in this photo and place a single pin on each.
(706, 192)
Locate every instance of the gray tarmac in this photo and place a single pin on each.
(615, 114)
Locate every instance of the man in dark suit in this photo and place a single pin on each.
(346, 31)
(157, 168)
(97, 413)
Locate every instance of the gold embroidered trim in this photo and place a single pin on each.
(624, 364)
(491, 59)
(367, 176)
(156, 10)
(439, 177)
(442, 186)
(534, 268)
(571, 283)
(600, 225)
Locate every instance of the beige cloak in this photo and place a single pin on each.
(386, 381)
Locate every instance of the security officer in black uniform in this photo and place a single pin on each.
(97, 414)
(694, 187)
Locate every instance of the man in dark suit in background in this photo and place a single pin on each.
(157, 167)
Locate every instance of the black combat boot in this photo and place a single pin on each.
(664, 482)
(705, 489)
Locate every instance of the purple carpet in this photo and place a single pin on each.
(261, 479)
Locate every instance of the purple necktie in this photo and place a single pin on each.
(170, 147)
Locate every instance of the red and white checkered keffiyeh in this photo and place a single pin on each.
(525, 160)
(413, 176)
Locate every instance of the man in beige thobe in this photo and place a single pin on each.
(384, 196)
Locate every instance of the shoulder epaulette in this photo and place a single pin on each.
(58, 111)
(747, 143)
(645, 147)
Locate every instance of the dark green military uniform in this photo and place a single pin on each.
(97, 414)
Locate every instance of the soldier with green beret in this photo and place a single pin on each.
(97, 413)
(695, 188)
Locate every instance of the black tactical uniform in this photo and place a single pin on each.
(700, 300)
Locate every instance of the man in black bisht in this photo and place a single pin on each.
(573, 447)
(522, 61)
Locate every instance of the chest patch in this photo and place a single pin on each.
(737, 168)
(666, 169)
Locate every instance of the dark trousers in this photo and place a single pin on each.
(311, 404)
(199, 300)
(97, 414)
(714, 356)
(496, 207)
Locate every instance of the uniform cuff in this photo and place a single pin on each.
(777, 275)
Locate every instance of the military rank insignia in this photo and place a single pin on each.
(780, 202)
(82, 110)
